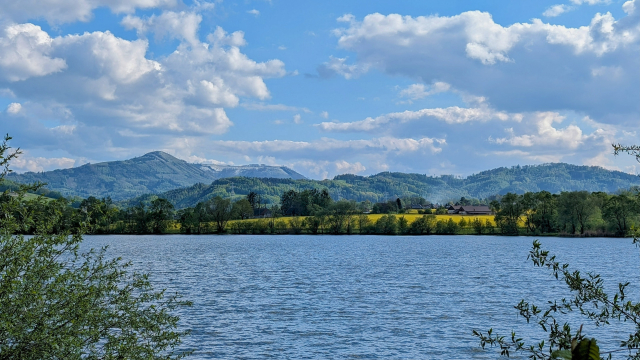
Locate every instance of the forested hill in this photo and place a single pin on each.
(550, 177)
(154, 172)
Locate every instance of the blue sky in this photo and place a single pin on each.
(326, 87)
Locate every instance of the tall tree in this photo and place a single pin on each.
(339, 216)
(220, 211)
(242, 209)
(509, 214)
(160, 212)
(544, 212)
(252, 198)
(618, 211)
(574, 210)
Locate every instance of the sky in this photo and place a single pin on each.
(323, 87)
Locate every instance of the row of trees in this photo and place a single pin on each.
(572, 213)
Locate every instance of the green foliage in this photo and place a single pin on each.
(424, 225)
(441, 211)
(58, 303)
(303, 203)
(570, 213)
(508, 217)
(220, 211)
(365, 224)
(574, 210)
(478, 226)
(160, 213)
(388, 207)
(386, 225)
(403, 226)
(587, 349)
(339, 216)
(242, 209)
(619, 211)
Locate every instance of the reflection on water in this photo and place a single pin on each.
(370, 297)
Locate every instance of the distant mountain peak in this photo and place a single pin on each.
(158, 155)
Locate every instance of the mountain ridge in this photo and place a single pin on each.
(153, 172)
(162, 174)
(553, 177)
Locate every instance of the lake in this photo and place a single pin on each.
(364, 297)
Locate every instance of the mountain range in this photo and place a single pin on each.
(155, 172)
(554, 178)
(185, 184)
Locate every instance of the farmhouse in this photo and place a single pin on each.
(474, 210)
(453, 209)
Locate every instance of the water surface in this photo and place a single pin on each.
(363, 297)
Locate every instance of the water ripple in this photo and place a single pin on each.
(369, 297)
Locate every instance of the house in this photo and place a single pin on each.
(261, 213)
(454, 209)
(474, 210)
(417, 207)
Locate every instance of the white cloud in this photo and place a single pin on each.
(121, 61)
(629, 7)
(25, 52)
(338, 66)
(557, 10)
(90, 80)
(450, 115)
(530, 156)
(542, 141)
(178, 25)
(324, 114)
(419, 91)
(344, 167)
(65, 11)
(590, 2)
(521, 67)
(272, 107)
(328, 157)
(297, 119)
(327, 145)
(14, 108)
(570, 137)
(194, 159)
(37, 164)
(322, 168)
(254, 12)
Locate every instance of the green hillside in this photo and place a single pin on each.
(11, 186)
(154, 172)
(550, 177)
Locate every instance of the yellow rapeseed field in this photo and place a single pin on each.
(410, 218)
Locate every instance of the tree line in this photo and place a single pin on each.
(568, 213)
(313, 211)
